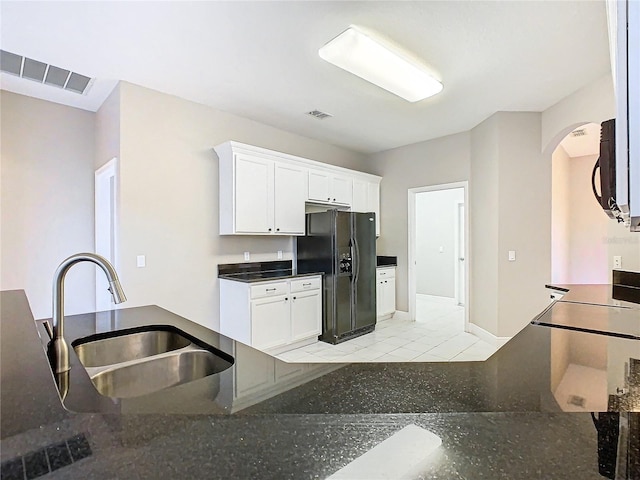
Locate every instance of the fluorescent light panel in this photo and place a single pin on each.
(358, 53)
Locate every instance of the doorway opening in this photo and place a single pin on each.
(106, 194)
(438, 256)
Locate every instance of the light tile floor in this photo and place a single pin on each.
(436, 336)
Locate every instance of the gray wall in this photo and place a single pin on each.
(443, 160)
(47, 200)
(436, 230)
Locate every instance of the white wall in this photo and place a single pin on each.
(436, 229)
(169, 198)
(47, 200)
(443, 160)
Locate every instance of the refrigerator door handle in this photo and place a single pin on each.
(355, 262)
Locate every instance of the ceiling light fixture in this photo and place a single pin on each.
(359, 53)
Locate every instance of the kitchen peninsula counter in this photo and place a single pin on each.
(497, 419)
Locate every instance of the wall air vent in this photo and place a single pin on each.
(43, 73)
(319, 115)
(580, 132)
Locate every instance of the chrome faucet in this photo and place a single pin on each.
(60, 350)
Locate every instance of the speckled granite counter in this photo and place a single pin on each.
(497, 419)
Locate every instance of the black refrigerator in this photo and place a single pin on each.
(342, 245)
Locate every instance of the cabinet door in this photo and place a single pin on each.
(306, 315)
(389, 293)
(380, 297)
(284, 371)
(373, 200)
(270, 322)
(360, 193)
(341, 190)
(290, 195)
(254, 370)
(253, 194)
(319, 186)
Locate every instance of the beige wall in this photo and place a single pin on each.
(443, 160)
(560, 187)
(47, 200)
(592, 103)
(524, 222)
(169, 199)
(483, 224)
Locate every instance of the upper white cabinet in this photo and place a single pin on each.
(327, 187)
(263, 192)
(366, 198)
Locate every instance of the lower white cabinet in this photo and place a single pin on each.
(272, 316)
(385, 292)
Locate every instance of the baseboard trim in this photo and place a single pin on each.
(436, 299)
(486, 336)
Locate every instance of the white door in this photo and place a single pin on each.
(290, 195)
(341, 190)
(306, 315)
(461, 280)
(254, 194)
(360, 193)
(319, 187)
(106, 187)
(270, 322)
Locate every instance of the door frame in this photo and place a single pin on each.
(106, 224)
(412, 193)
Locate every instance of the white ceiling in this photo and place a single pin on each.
(587, 144)
(259, 59)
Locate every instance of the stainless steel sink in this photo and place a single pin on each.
(157, 373)
(131, 363)
(126, 347)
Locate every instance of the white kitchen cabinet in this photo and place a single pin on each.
(327, 187)
(289, 196)
(273, 316)
(385, 292)
(253, 194)
(263, 192)
(366, 198)
(260, 196)
(270, 322)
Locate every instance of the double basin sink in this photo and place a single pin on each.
(140, 361)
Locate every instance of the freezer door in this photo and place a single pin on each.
(364, 270)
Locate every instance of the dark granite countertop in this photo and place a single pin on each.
(265, 276)
(498, 419)
(251, 272)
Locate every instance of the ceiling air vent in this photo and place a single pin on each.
(43, 73)
(580, 132)
(319, 115)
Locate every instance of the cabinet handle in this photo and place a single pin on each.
(269, 229)
(271, 289)
(306, 284)
(334, 199)
(286, 299)
(294, 298)
(277, 229)
(385, 281)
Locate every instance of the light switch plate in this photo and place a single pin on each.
(279, 254)
(141, 261)
(247, 256)
(512, 255)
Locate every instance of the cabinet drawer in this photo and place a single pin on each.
(385, 273)
(268, 289)
(311, 283)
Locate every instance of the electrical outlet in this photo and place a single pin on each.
(247, 256)
(512, 255)
(617, 261)
(141, 261)
(279, 254)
